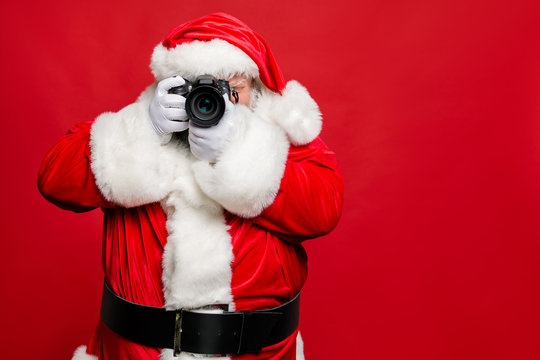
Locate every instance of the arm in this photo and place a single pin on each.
(309, 201)
(275, 170)
(65, 177)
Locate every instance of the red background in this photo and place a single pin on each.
(432, 108)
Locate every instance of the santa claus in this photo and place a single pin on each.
(203, 225)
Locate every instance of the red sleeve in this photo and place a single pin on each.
(310, 197)
(65, 177)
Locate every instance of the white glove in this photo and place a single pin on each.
(207, 143)
(167, 111)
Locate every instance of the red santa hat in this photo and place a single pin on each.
(220, 45)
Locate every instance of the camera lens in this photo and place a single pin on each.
(205, 106)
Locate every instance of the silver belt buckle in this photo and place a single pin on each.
(178, 326)
(178, 332)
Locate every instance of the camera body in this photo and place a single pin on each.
(204, 99)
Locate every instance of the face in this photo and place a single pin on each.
(242, 86)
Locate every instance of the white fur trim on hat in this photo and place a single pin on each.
(246, 176)
(214, 57)
(80, 354)
(295, 112)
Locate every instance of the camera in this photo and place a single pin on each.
(204, 99)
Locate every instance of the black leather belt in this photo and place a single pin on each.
(200, 333)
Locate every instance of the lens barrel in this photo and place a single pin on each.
(205, 106)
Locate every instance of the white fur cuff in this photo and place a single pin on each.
(247, 175)
(127, 158)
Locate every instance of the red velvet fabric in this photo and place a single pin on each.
(226, 27)
(270, 265)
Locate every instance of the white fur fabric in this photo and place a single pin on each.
(80, 354)
(295, 112)
(299, 347)
(198, 254)
(127, 159)
(132, 168)
(167, 354)
(215, 57)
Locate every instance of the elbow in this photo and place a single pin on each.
(44, 185)
(329, 213)
(330, 221)
(58, 195)
(333, 210)
(46, 188)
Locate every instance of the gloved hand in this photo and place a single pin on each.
(167, 111)
(207, 143)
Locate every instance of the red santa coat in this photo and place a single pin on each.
(179, 232)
